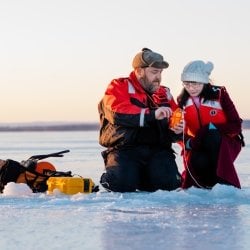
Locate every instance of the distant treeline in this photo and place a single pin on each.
(246, 124)
(50, 127)
(66, 127)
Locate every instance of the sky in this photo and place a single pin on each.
(58, 56)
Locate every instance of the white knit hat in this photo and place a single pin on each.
(197, 71)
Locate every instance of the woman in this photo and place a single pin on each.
(212, 134)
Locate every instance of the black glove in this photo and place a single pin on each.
(196, 142)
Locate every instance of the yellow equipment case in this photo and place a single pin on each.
(70, 185)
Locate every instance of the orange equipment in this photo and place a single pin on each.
(43, 166)
(175, 118)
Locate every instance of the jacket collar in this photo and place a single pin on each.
(133, 79)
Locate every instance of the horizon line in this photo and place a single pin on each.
(49, 126)
(63, 126)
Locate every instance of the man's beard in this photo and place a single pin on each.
(149, 87)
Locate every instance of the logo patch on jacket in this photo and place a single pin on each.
(213, 112)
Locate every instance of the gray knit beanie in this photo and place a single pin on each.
(197, 71)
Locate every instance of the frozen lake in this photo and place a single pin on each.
(191, 219)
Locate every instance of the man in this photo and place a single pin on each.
(134, 117)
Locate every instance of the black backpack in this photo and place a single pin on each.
(33, 172)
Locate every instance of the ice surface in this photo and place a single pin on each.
(190, 219)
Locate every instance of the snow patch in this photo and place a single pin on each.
(17, 189)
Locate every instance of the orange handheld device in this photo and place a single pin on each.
(175, 118)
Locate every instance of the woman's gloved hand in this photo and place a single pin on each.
(196, 142)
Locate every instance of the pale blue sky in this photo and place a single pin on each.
(57, 56)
